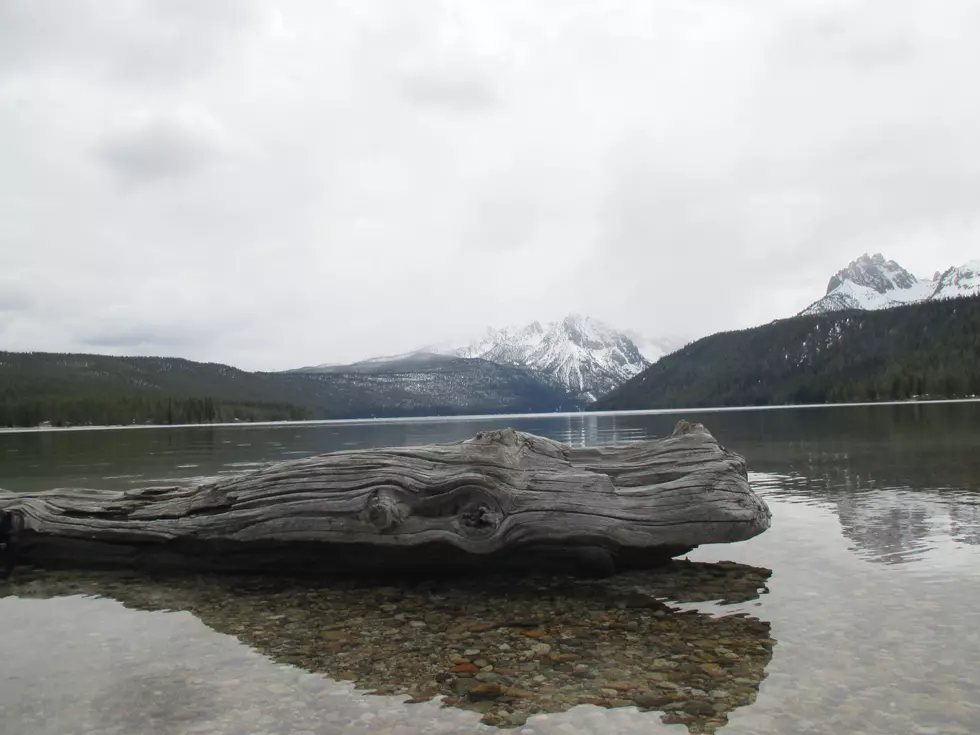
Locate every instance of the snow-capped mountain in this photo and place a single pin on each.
(511, 345)
(427, 384)
(961, 281)
(871, 282)
(586, 356)
(578, 358)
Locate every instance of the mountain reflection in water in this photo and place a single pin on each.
(874, 599)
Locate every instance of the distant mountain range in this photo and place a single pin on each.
(879, 332)
(561, 366)
(872, 283)
(584, 356)
(102, 389)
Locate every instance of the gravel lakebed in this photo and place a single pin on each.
(507, 647)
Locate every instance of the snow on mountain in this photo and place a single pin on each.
(331, 367)
(961, 281)
(875, 272)
(578, 354)
(871, 282)
(513, 346)
(585, 355)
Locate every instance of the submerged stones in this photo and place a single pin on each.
(503, 647)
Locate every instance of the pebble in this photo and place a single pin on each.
(425, 651)
(487, 690)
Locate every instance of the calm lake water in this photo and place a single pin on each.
(873, 598)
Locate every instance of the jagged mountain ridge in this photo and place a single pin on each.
(874, 272)
(580, 356)
(583, 354)
(871, 282)
(958, 281)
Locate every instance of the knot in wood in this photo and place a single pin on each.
(512, 441)
(383, 511)
(505, 437)
(685, 427)
(483, 518)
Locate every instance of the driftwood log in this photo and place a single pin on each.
(501, 499)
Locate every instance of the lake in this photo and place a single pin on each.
(857, 612)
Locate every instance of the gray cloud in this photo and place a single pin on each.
(135, 337)
(855, 42)
(162, 146)
(303, 182)
(452, 89)
(11, 302)
(134, 42)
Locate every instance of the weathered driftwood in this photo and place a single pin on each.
(501, 498)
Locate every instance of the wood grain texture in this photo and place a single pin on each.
(502, 498)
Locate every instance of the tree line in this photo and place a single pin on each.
(80, 389)
(109, 410)
(929, 350)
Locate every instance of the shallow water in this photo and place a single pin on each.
(872, 600)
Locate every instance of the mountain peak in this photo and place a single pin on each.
(585, 355)
(961, 280)
(872, 282)
(873, 271)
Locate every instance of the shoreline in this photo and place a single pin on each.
(482, 417)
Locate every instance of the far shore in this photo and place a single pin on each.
(481, 417)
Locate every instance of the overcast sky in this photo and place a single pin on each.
(273, 184)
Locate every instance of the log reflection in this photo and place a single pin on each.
(506, 647)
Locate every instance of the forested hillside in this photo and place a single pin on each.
(101, 389)
(926, 350)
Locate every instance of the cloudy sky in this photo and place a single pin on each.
(272, 184)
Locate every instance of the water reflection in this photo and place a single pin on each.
(106, 669)
(884, 524)
(964, 519)
(903, 480)
(888, 526)
(589, 430)
(874, 596)
(504, 648)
